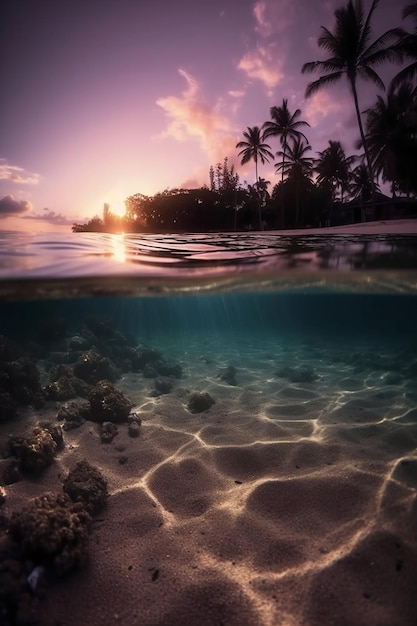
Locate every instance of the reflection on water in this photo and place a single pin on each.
(203, 262)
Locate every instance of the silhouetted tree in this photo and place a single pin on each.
(253, 147)
(407, 48)
(391, 133)
(211, 178)
(95, 225)
(352, 55)
(296, 166)
(360, 186)
(284, 125)
(333, 167)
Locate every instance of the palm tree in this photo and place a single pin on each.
(333, 167)
(254, 148)
(360, 186)
(284, 125)
(352, 54)
(295, 160)
(259, 195)
(296, 166)
(407, 47)
(391, 134)
(361, 189)
(262, 189)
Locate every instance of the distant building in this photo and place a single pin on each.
(385, 208)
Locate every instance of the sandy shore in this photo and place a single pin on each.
(382, 227)
(285, 504)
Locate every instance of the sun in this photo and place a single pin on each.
(117, 208)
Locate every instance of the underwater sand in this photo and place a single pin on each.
(285, 504)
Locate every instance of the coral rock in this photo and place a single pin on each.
(169, 368)
(108, 404)
(134, 429)
(53, 532)
(228, 375)
(21, 379)
(163, 385)
(86, 484)
(200, 402)
(11, 473)
(73, 414)
(108, 432)
(8, 407)
(18, 605)
(92, 367)
(37, 451)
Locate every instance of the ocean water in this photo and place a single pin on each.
(290, 497)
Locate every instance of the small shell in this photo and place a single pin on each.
(35, 577)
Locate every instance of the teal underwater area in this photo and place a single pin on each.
(235, 446)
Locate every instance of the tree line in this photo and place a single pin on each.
(310, 188)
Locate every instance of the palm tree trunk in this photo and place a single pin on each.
(257, 194)
(282, 184)
(364, 142)
(297, 206)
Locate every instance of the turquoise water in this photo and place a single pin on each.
(330, 317)
(290, 499)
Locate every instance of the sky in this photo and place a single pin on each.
(102, 99)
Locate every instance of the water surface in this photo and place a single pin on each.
(291, 498)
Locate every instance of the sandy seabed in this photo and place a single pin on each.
(285, 504)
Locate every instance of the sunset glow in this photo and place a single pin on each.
(106, 99)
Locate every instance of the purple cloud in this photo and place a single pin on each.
(50, 216)
(10, 207)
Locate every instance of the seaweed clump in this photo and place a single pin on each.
(85, 484)
(53, 532)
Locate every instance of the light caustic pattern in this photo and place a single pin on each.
(291, 501)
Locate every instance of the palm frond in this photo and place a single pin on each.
(321, 82)
(329, 65)
(385, 48)
(265, 155)
(327, 40)
(406, 75)
(367, 73)
(299, 123)
(366, 30)
(410, 10)
(294, 134)
(309, 68)
(246, 157)
(271, 129)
